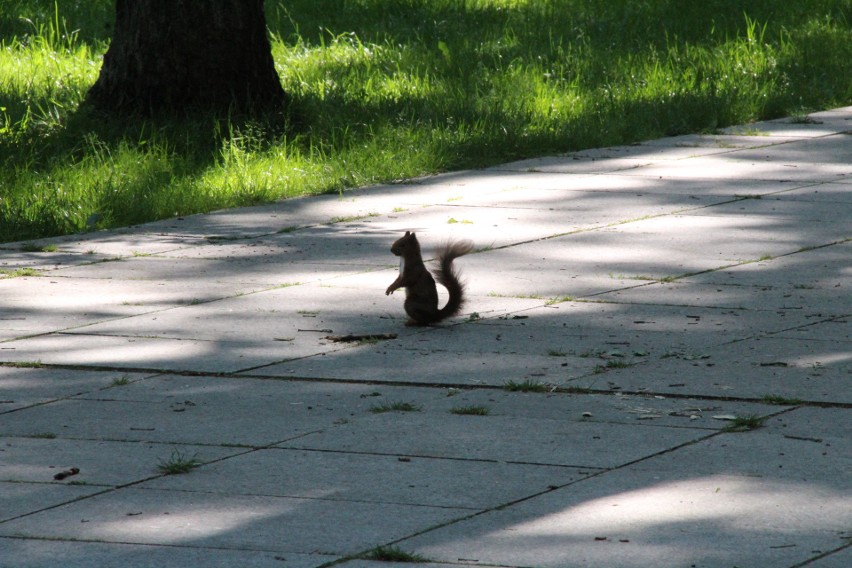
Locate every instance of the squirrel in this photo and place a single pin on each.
(421, 294)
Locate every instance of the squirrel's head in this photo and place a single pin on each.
(406, 243)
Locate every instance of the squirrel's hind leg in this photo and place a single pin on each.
(418, 316)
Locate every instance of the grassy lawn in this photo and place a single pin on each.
(388, 90)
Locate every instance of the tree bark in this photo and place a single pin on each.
(187, 55)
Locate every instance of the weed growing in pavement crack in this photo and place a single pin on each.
(395, 407)
(471, 410)
(178, 463)
(781, 400)
(745, 423)
(526, 385)
(392, 554)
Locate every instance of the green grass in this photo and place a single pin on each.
(24, 364)
(387, 91)
(120, 381)
(471, 410)
(392, 554)
(18, 273)
(745, 423)
(781, 400)
(395, 407)
(612, 364)
(177, 464)
(527, 385)
(30, 247)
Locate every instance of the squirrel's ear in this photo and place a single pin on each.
(407, 233)
(412, 234)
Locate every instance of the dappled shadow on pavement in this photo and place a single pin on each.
(651, 295)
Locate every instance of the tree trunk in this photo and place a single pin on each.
(184, 55)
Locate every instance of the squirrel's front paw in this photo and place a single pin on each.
(389, 291)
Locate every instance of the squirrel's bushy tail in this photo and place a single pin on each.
(449, 277)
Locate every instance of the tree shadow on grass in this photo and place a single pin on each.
(466, 117)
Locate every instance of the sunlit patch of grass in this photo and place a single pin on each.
(18, 272)
(24, 364)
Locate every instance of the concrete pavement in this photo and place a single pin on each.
(673, 317)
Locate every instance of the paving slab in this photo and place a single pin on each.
(472, 185)
(663, 248)
(827, 161)
(794, 369)
(554, 345)
(405, 366)
(487, 226)
(836, 120)
(102, 463)
(815, 125)
(526, 440)
(790, 443)
(195, 410)
(34, 553)
(438, 357)
(583, 209)
(783, 214)
(281, 217)
(271, 315)
(652, 519)
(606, 408)
(664, 511)
(813, 282)
(254, 248)
(656, 326)
(104, 245)
(355, 245)
(55, 303)
(233, 276)
(280, 524)
(838, 559)
(781, 298)
(22, 387)
(354, 204)
(619, 158)
(838, 192)
(821, 269)
(143, 354)
(28, 467)
(20, 499)
(675, 242)
(837, 329)
(13, 258)
(346, 476)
